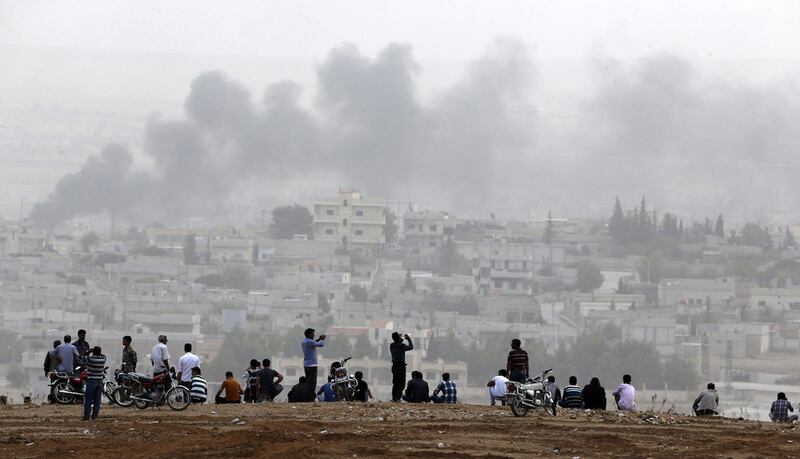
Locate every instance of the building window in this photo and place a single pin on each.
(344, 222)
(359, 232)
(431, 243)
(512, 285)
(329, 212)
(419, 227)
(344, 203)
(498, 284)
(329, 232)
(433, 228)
(291, 371)
(359, 213)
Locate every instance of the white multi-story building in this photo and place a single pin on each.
(352, 221)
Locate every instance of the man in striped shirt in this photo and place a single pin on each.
(517, 364)
(572, 395)
(199, 387)
(92, 397)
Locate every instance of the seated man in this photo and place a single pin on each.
(572, 395)
(299, 392)
(269, 382)
(497, 387)
(706, 404)
(417, 390)
(233, 391)
(199, 389)
(326, 393)
(362, 388)
(448, 390)
(779, 412)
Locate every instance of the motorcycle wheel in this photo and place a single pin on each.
(121, 396)
(178, 398)
(517, 407)
(141, 404)
(341, 393)
(550, 409)
(57, 392)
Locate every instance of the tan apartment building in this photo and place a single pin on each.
(352, 221)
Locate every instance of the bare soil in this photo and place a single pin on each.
(381, 430)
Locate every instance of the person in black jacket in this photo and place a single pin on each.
(417, 390)
(594, 395)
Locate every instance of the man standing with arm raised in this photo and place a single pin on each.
(398, 351)
(310, 362)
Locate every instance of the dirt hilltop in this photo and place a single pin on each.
(382, 430)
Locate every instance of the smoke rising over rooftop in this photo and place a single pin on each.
(653, 127)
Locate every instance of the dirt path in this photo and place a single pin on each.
(381, 430)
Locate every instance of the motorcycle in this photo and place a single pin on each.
(529, 395)
(344, 384)
(67, 388)
(144, 391)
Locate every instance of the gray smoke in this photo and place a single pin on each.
(369, 128)
(657, 127)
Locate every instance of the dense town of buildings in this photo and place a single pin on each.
(728, 311)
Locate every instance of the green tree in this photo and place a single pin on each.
(359, 293)
(753, 234)
(390, 227)
(451, 262)
(144, 248)
(616, 225)
(409, 284)
(788, 239)
(364, 349)
(290, 220)
(548, 229)
(337, 347)
(190, 249)
(589, 276)
(719, 227)
(680, 374)
(89, 240)
(237, 277)
(11, 347)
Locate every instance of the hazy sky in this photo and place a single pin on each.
(436, 29)
(719, 79)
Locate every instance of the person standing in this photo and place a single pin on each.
(625, 395)
(185, 365)
(448, 390)
(252, 382)
(779, 411)
(707, 403)
(92, 397)
(67, 356)
(497, 387)
(398, 351)
(160, 356)
(269, 382)
(572, 396)
(129, 357)
(50, 358)
(310, 362)
(199, 388)
(82, 346)
(594, 395)
(517, 362)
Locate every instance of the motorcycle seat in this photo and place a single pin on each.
(141, 377)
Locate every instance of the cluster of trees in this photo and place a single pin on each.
(602, 354)
(641, 225)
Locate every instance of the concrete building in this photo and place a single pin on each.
(714, 292)
(352, 221)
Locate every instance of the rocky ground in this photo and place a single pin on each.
(381, 430)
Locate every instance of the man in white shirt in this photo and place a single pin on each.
(160, 356)
(497, 387)
(625, 395)
(185, 365)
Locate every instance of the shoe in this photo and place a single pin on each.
(85, 419)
